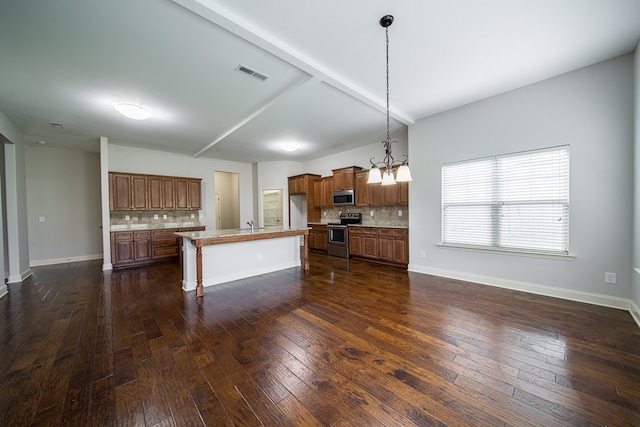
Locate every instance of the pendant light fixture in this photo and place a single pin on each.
(386, 177)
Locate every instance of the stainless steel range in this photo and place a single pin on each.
(338, 243)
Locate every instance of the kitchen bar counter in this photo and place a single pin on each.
(218, 256)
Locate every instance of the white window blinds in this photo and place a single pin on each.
(516, 202)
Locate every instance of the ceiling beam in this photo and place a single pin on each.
(256, 113)
(235, 24)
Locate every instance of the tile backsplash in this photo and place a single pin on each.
(154, 217)
(383, 216)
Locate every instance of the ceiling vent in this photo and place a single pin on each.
(252, 73)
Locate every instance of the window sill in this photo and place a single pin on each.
(567, 257)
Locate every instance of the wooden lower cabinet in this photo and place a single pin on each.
(380, 244)
(132, 248)
(318, 237)
(394, 245)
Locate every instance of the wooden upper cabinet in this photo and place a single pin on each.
(195, 196)
(379, 195)
(344, 178)
(168, 188)
(327, 185)
(323, 192)
(362, 188)
(188, 194)
(120, 193)
(139, 195)
(301, 184)
(318, 194)
(151, 192)
(128, 192)
(154, 184)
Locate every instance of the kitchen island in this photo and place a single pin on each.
(219, 256)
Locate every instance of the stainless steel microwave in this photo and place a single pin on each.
(344, 198)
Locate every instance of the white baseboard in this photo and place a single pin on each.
(635, 312)
(3, 290)
(568, 294)
(19, 278)
(54, 261)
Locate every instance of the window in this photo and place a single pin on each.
(513, 202)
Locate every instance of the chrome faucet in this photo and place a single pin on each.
(250, 223)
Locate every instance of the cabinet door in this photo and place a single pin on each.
(362, 189)
(182, 193)
(195, 200)
(318, 193)
(139, 192)
(154, 184)
(121, 191)
(142, 250)
(403, 194)
(391, 194)
(356, 244)
(376, 194)
(168, 193)
(327, 184)
(142, 245)
(386, 248)
(323, 240)
(123, 251)
(370, 246)
(337, 180)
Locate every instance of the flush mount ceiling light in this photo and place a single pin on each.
(375, 175)
(133, 111)
(289, 146)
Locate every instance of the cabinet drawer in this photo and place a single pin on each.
(165, 241)
(166, 252)
(142, 234)
(393, 232)
(124, 235)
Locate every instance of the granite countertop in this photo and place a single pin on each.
(127, 227)
(212, 234)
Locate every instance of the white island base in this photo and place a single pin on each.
(213, 257)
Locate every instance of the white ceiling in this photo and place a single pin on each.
(68, 61)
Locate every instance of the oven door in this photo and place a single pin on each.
(338, 244)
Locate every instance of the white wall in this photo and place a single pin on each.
(135, 160)
(15, 199)
(63, 187)
(273, 175)
(635, 291)
(589, 109)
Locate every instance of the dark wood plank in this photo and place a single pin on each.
(345, 343)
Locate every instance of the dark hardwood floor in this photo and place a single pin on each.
(347, 343)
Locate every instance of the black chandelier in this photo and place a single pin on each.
(375, 174)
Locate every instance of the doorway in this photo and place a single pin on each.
(272, 207)
(227, 193)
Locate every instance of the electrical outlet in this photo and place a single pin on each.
(42, 219)
(164, 216)
(610, 278)
(155, 216)
(370, 213)
(399, 212)
(193, 216)
(423, 254)
(127, 217)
